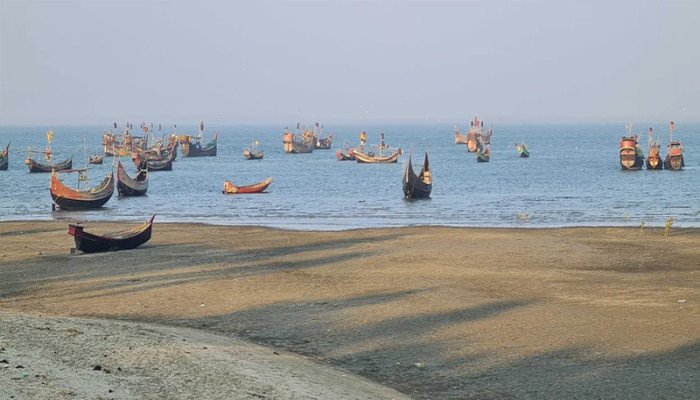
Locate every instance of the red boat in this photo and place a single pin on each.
(230, 188)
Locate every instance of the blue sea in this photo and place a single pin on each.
(572, 178)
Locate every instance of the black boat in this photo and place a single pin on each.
(125, 240)
(35, 166)
(128, 186)
(4, 158)
(417, 186)
(153, 163)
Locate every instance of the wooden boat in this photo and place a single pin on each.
(125, 240)
(153, 163)
(96, 159)
(67, 198)
(5, 157)
(674, 158)
(654, 157)
(192, 146)
(460, 138)
(483, 156)
(324, 143)
(297, 144)
(361, 157)
(35, 166)
(345, 155)
(417, 186)
(472, 136)
(523, 152)
(230, 188)
(631, 155)
(253, 153)
(128, 186)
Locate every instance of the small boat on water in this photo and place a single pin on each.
(192, 146)
(5, 157)
(460, 138)
(371, 157)
(96, 159)
(674, 158)
(35, 166)
(298, 143)
(523, 152)
(417, 186)
(154, 163)
(654, 157)
(230, 188)
(253, 153)
(324, 143)
(124, 240)
(66, 198)
(473, 134)
(631, 154)
(347, 154)
(128, 186)
(483, 155)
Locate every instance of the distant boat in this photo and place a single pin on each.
(475, 129)
(522, 150)
(67, 198)
(298, 144)
(417, 186)
(192, 146)
(154, 163)
(35, 166)
(128, 186)
(460, 138)
(5, 157)
(230, 188)
(483, 156)
(253, 153)
(348, 154)
(96, 159)
(674, 158)
(125, 240)
(654, 158)
(631, 155)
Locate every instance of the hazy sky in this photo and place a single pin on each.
(97, 62)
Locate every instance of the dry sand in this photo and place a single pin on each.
(435, 313)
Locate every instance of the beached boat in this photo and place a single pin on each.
(192, 146)
(128, 186)
(67, 198)
(483, 156)
(631, 154)
(417, 186)
(654, 156)
(674, 158)
(96, 159)
(523, 152)
(230, 188)
(5, 158)
(365, 158)
(124, 240)
(253, 153)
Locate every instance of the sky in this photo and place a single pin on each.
(352, 62)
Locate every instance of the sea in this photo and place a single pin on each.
(572, 178)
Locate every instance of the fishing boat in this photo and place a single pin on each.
(460, 138)
(48, 166)
(366, 158)
(154, 163)
(347, 154)
(124, 240)
(230, 188)
(66, 198)
(674, 158)
(253, 153)
(417, 186)
(324, 143)
(631, 154)
(523, 152)
(654, 157)
(297, 144)
(5, 157)
(128, 186)
(192, 146)
(96, 159)
(483, 155)
(473, 134)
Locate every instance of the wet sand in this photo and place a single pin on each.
(435, 313)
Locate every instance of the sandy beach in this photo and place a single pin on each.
(425, 312)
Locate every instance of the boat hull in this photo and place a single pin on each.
(252, 155)
(37, 167)
(70, 199)
(483, 157)
(193, 150)
(460, 138)
(363, 158)
(675, 163)
(90, 243)
(230, 188)
(323, 144)
(128, 186)
(417, 186)
(654, 163)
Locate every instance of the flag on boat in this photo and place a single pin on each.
(49, 135)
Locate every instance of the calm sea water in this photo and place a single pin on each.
(572, 178)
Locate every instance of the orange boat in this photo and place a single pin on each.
(67, 198)
(230, 188)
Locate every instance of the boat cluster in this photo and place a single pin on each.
(632, 154)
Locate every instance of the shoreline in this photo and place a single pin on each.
(433, 312)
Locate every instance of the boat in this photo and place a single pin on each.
(324, 143)
(66, 198)
(472, 136)
(523, 152)
(128, 186)
(35, 166)
(631, 154)
(298, 144)
(654, 158)
(417, 186)
(124, 240)
(483, 155)
(230, 188)
(345, 155)
(365, 158)
(192, 146)
(5, 157)
(154, 163)
(460, 138)
(96, 159)
(253, 153)
(674, 158)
